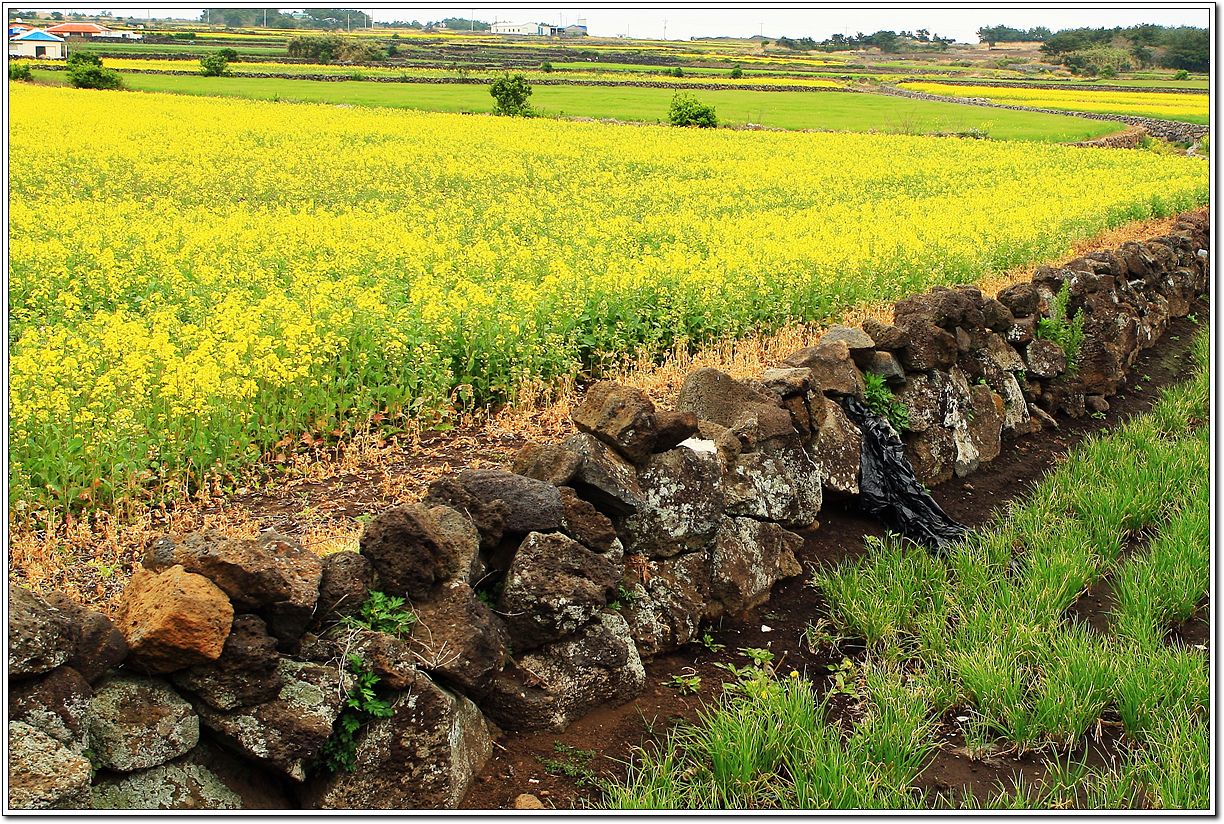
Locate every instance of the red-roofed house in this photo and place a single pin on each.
(79, 29)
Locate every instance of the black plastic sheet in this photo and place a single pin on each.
(888, 489)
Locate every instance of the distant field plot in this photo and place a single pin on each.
(1189, 108)
(190, 279)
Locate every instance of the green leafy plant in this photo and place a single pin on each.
(339, 752)
(1181, 74)
(881, 401)
(707, 641)
(1067, 332)
(214, 65)
(18, 71)
(384, 613)
(687, 682)
(510, 95)
(677, 72)
(687, 110)
(85, 71)
(546, 66)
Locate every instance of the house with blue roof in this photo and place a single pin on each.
(38, 43)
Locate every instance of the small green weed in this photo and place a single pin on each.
(688, 682)
(384, 613)
(882, 402)
(1068, 333)
(339, 752)
(572, 763)
(707, 641)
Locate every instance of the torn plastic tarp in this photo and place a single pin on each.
(888, 488)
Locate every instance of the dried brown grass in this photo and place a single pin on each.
(90, 560)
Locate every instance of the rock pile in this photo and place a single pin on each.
(236, 667)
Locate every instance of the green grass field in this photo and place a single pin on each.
(838, 111)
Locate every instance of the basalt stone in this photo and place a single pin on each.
(459, 638)
(765, 486)
(389, 657)
(40, 636)
(1005, 355)
(97, 643)
(424, 756)
(138, 722)
(942, 307)
(887, 366)
(459, 531)
(488, 516)
(553, 587)
(925, 398)
(1045, 358)
(606, 479)
(998, 318)
(726, 444)
(57, 704)
(674, 429)
(288, 619)
(986, 422)
(748, 558)
(172, 620)
(932, 453)
(204, 779)
(344, 586)
(1096, 404)
(787, 382)
(1050, 279)
(243, 568)
(833, 364)
(620, 416)
(1023, 331)
(243, 675)
(553, 686)
(1041, 418)
(930, 347)
(753, 416)
(410, 553)
(547, 462)
(667, 601)
(682, 502)
(584, 523)
(885, 335)
(535, 506)
(836, 451)
(857, 341)
(1020, 299)
(43, 774)
(801, 415)
(1102, 366)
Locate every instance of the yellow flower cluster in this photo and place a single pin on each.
(192, 278)
(1192, 108)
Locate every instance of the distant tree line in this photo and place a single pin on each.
(329, 48)
(1006, 34)
(1181, 47)
(886, 41)
(327, 19)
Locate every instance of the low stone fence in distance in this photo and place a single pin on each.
(252, 673)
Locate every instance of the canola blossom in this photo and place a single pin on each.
(1191, 108)
(191, 279)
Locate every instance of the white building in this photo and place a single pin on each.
(531, 29)
(37, 43)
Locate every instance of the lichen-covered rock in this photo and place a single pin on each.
(289, 618)
(57, 704)
(457, 637)
(243, 675)
(554, 586)
(138, 722)
(344, 586)
(1003, 353)
(547, 462)
(243, 568)
(835, 449)
(97, 643)
(932, 453)
(773, 488)
(423, 757)
(748, 557)
(411, 553)
(489, 517)
(1022, 331)
(925, 398)
(557, 684)
(43, 774)
(606, 479)
(172, 619)
(682, 502)
(286, 733)
(986, 422)
(666, 602)
(620, 416)
(1045, 359)
(40, 637)
(1016, 418)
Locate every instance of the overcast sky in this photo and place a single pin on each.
(819, 21)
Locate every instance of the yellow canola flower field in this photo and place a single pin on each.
(1191, 108)
(193, 279)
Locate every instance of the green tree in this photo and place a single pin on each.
(1187, 48)
(86, 75)
(510, 96)
(687, 110)
(546, 66)
(214, 65)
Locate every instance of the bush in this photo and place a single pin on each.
(510, 95)
(687, 110)
(18, 71)
(89, 73)
(325, 48)
(546, 66)
(184, 35)
(1182, 74)
(214, 65)
(737, 73)
(83, 59)
(230, 55)
(677, 72)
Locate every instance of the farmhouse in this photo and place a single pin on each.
(92, 30)
(532, 29)
(38, 43)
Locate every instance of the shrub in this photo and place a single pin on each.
(184, 35)
(19, 71)
(230, 55)
(90, 74)
(82, 59)
(1182, 74)
(546, 66)
(510, 95)
(214, 65)
(687, 110)
(325, 48)
(677, 72)
(737, 73)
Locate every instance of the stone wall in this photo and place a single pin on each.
(538, 592)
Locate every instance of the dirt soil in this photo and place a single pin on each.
(601, 743)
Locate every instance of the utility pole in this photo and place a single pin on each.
(665, 28)
(265, 18)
